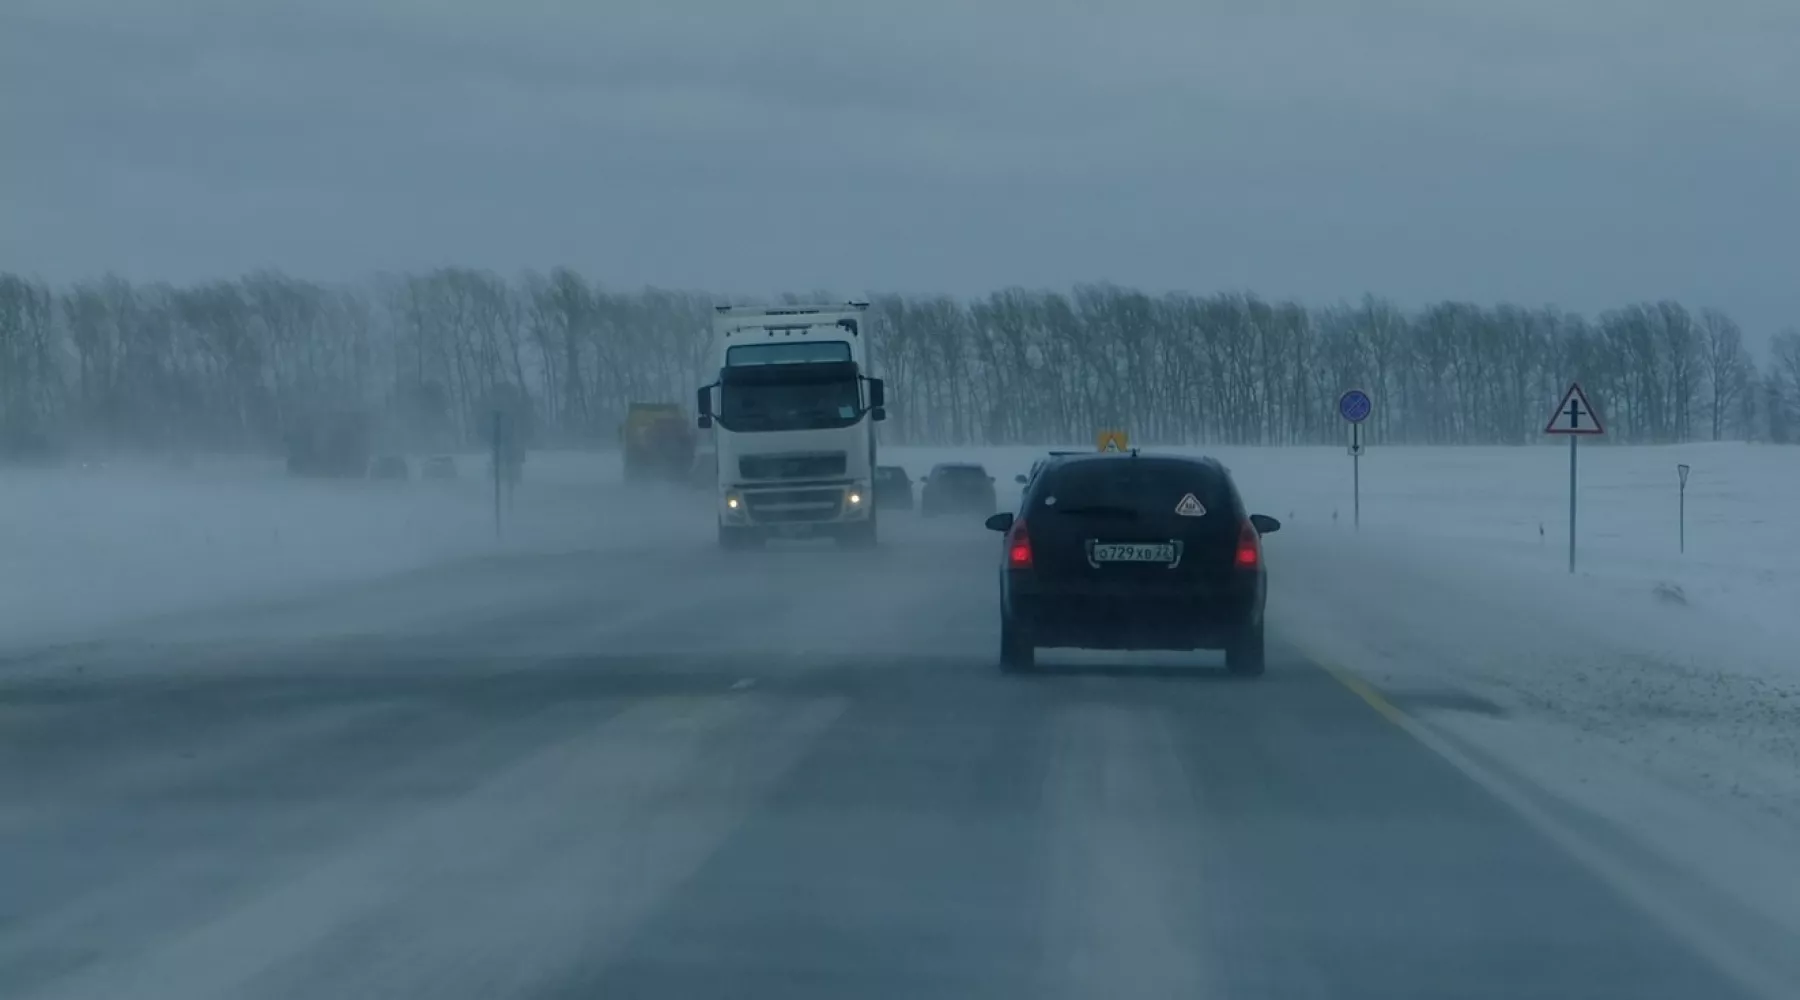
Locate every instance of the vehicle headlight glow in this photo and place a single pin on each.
(731, 501)
(855, 498)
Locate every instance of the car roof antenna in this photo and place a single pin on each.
(1134, 453)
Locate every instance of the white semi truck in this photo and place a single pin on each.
(794, 424)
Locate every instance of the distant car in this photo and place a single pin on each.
(439, 467)
(1133, 552)
(957, 487)
(893, 488)
(389, 467)
(1024, 479)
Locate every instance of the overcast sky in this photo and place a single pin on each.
(1583, 153)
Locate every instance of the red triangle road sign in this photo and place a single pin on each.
(1574, 415)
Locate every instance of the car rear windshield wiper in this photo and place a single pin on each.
(1101, 509)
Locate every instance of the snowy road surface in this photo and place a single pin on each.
(657, 770)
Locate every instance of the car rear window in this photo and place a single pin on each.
(962, 472)
(1149, 488)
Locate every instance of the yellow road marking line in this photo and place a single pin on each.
(1361, 689)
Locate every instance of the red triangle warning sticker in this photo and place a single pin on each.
(1190, 507)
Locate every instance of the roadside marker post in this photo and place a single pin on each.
(497, 473)
(1574, 418)
(1355, 406)
(1682, 472)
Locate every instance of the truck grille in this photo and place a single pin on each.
(820, 465)
(795, 505)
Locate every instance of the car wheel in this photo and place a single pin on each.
(1244, 656)
(1017, 654)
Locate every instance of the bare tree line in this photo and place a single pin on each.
(230, 364)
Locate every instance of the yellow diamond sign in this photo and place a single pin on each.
(1111, 441)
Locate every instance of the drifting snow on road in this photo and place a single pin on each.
(599, 756)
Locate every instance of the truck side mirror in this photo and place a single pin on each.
(703, 404)
(877, 394)
(878, 414)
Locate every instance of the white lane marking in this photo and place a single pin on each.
(743, 683)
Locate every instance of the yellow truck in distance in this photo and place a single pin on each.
(658, 443)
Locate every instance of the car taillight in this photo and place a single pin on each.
(1018, 548)
(1249, 548)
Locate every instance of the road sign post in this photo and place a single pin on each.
(497, 473)
(1572, 440)
(1355, 406)
(1681, 471)
(1574, 418)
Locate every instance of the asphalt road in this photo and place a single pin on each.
(666, 771)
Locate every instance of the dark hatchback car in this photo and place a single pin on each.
(957, 488)
(893, 488)
(1133, 552)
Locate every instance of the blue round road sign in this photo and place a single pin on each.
(1355, 406)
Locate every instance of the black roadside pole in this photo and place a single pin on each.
(497, 472)
(1682, 471)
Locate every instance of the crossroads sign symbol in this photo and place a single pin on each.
(1575, 415)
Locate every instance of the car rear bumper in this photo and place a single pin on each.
(1135, 618)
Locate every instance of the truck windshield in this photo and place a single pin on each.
(789, 406)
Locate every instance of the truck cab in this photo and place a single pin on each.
(794, 424)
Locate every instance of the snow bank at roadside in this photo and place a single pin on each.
(85, 548)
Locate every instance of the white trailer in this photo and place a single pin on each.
(794, 424)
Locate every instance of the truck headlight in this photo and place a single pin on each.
(855, 497)
(732, 502)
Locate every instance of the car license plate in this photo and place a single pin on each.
(1134, 552)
